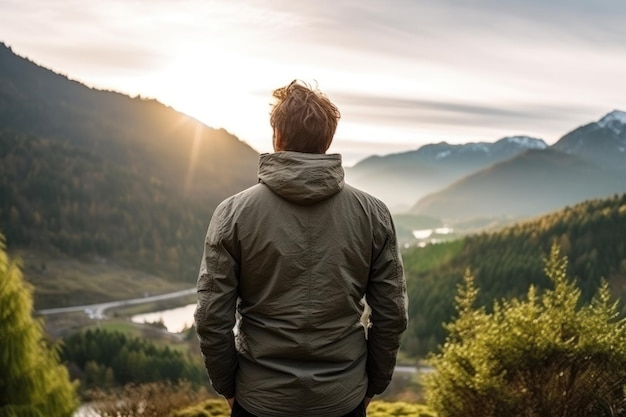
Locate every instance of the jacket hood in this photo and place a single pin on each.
(302, 178)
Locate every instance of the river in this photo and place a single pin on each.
(175, 320)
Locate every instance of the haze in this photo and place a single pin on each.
(403, 73)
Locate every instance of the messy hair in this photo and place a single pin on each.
(304, 118)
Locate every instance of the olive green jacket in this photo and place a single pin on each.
(294, 255)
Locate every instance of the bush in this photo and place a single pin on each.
(219, 408)
(33, 381)
(209, 408)
(543, 356)
(397, 409)
(155, 399)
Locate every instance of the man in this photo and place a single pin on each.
(294, 255)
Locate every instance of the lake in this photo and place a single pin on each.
(175, 320)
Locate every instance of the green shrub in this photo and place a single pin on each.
(397, 409)
(33, 381)
(210, 408)
(219, 408)
(546, 355)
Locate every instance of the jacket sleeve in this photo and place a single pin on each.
(217, 299)
(386, 295)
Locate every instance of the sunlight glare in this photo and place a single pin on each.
(201, 82)
(193, 158)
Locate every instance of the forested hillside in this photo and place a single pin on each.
(505, 263)
(97, 174)
(59, 197)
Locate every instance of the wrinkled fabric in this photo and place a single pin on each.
(302, 179)
(294, 256)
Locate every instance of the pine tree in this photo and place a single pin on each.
(33, 382)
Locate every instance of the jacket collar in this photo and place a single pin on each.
(302, 178)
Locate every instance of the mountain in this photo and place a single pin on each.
(402, 178)
(589, 162)
(533, 183)
(99, 175)
(603, 142)
(151, 138)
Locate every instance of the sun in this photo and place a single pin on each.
(218, 88)
(198, 83)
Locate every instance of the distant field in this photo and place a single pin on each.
(122, 326)
(60, 281)
(141, 331)
(59, 326)
(152, 306)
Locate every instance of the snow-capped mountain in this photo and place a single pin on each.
(588, 162)
(399, 178)
(443, 151)
(616, 121)
(590, 159)
(603, 141)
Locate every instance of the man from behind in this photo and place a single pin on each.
(294, 256)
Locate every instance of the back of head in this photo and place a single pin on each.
(303, 119)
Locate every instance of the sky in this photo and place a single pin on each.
(403, 73)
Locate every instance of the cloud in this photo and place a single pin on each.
(369, 104)
(539, 65)
(449, 114)
(444, 29)
(105, 57)
(71, 37)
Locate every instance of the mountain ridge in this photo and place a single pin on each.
(533, 183)
(439, 170)
(546, 183)
(603, 141)
(114, 124)
(431, 167)
(98, 175)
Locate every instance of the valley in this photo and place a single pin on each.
(106, 198)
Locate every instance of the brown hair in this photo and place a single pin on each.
(303, 118)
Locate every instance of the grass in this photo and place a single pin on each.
(398, 409)
(143, 331)
(127, 327)
(61, 281)
(418, 260)
(62, 325)
(153, 306)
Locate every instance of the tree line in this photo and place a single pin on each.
(101, 358)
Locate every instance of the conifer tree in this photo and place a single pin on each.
(33, 382)
(546, 355)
